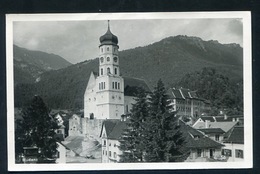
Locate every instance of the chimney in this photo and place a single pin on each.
(233, 119)
(207, 123)
(123, 117)
(225, 116)
(237, 119)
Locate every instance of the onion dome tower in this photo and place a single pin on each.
(110, 85)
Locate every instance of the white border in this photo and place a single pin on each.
(247, 70)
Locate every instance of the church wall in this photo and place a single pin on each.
(90, 98)
(128, 103)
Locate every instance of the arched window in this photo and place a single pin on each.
(91, 116)
(107, 48)
(101, 71)
(101, 85)
(115, 59)
(102, 50)
(116, 85)
(108, 70)
(108, 59)
(102, 59)
(104, 85)
(115, 71)
(113, 85)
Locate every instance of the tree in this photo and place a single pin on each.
(132, 144)
(37, 129)
(163, 136)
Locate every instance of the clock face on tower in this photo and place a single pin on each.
(115, 59)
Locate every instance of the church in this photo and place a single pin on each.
(105, 96)
(108, 94)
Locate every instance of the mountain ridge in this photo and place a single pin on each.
(169, 59)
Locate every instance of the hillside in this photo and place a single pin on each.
(28, 64)
(169, 59)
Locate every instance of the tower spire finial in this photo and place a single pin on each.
(108, 25)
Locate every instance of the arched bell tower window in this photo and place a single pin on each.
(115, 71)
(108, 70)
(101, 71)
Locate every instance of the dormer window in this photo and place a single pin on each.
(196, 137)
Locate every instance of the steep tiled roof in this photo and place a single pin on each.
(229, 118)
(118, 130)
(210, 118)
(212, 130)
(130, 85)
(115, 129)
(177, 94)
(109, 125)
(236, 135)
(185, 93)
(225, 126)
(182, 93)
(196, 139)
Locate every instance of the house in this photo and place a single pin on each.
(216, 134)
(222, 118)
(199, 145)
(187, 102)
(111, 133)
(234, 144)
(211, 122)
(61, 155)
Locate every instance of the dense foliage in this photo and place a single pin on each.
(211, 85)
(164, 138)
(37, 129)
(133, 141)
(153, 134)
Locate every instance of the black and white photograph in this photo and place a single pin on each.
(119, 91)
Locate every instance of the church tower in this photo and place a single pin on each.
(109, 83)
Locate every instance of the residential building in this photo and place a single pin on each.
(187, 103)
(111, 133)
(198, 145)
(209, 122)
(201, 147)
(234, 144)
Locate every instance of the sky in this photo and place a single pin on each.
(77, 41)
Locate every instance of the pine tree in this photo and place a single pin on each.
(38, 129)
(163, 137)
(133, 142)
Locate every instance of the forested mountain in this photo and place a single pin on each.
(28, 64)
(216, 88)
(169, 59)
